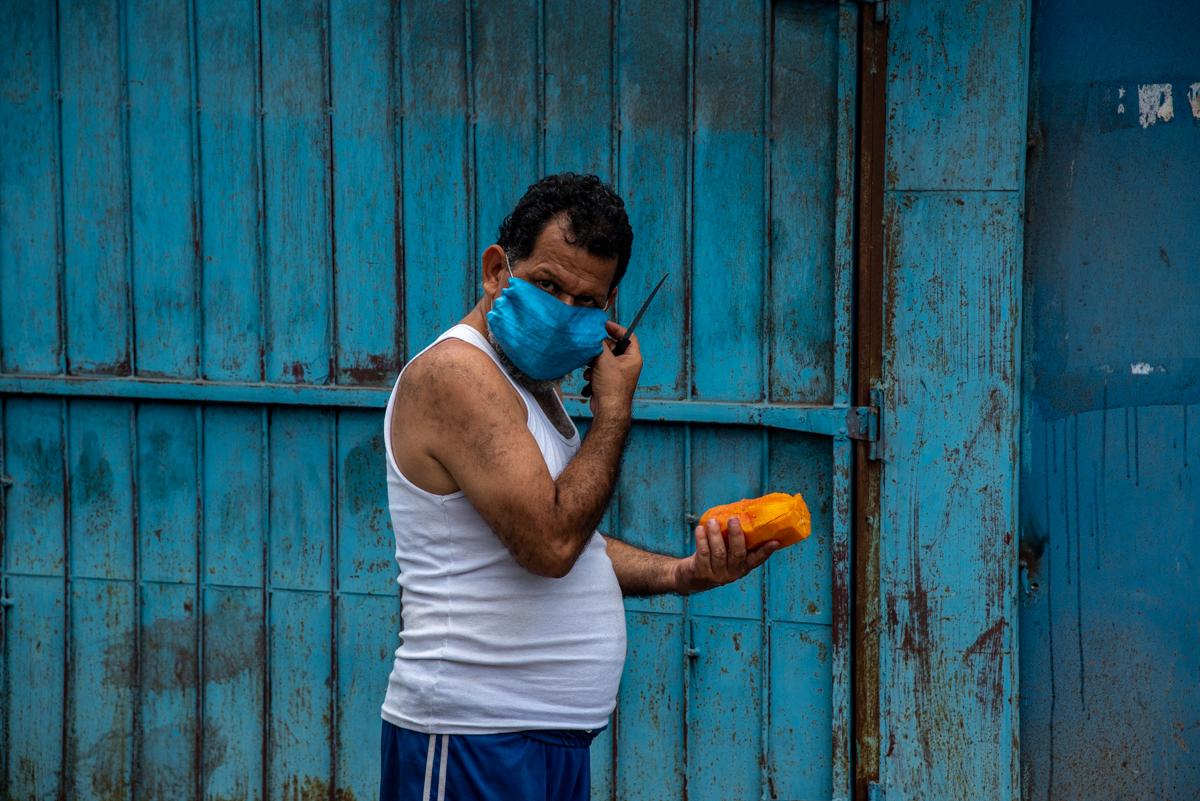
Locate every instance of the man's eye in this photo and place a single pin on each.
(544, 284)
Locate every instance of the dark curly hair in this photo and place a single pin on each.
(596, 219)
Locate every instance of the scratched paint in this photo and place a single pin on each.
(951, 314)
(1110, 488)
(1155, 103)
(256, 196)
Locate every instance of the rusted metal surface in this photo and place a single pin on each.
(868, 349)
(948, 482)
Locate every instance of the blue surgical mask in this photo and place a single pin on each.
(544, 337)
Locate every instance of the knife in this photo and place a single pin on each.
(623, 343)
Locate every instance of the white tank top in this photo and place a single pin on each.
(486, 645)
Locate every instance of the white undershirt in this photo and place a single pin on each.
(486, 645)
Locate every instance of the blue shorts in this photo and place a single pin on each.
(536, 765)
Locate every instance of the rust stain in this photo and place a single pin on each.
(312, 788)
(235, 645)
(989, 643)
(378, 369)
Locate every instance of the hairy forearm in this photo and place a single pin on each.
(584, 488)
(641, 572)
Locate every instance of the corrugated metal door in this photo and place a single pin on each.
(223, 225)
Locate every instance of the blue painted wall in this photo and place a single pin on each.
(223, 227)
(1110, 472)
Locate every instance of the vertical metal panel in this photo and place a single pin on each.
(35, 506)
(804, 81)
(163, 219)
(364, 534)
(506, 83)
(952, 230)
(101, 512)
(95, 192)
(368, 308)
(579, 86)
(168, 673)
(1110, 487)
(301, 687)
(437, 288)
(799, 607)
(233, 671)
(30, 311)
(947, 663)
(297, 214)
(228, 123)
(943, 68)
(103, 668)
(653, 115)
(728, 258)
(34, 636)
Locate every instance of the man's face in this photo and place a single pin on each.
(570, 273)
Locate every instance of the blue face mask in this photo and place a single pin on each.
(544, 337)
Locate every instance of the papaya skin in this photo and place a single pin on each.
(776, 516)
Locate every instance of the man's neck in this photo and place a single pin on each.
(544, 392)
(540, 389)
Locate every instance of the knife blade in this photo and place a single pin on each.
(623, 342)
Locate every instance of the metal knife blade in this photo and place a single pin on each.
(623, 342)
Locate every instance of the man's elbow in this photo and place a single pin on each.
(553, 560)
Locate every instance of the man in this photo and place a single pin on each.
(514, 629)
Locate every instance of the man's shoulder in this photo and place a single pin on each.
(450, 359)
(452, 374)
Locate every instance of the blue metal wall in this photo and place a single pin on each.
(1110, 473)
(223, 225)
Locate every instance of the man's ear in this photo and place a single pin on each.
(494, 272)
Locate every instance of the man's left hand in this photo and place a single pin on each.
(717, 562)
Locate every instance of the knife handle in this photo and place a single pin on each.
(619, 348)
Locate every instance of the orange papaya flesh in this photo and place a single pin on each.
(776, 516)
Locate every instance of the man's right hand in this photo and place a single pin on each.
(614, 378)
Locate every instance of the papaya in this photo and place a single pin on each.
(776, 516)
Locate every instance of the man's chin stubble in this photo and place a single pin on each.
(535, 386)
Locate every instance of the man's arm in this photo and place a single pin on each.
(473, 424)
(712, 564)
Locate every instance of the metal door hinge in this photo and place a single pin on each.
(866, 423)
(5, 482)
(862, 423)
(6, 600)
(876, 397)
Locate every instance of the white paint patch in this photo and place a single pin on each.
(1145, 368)
(1155, 103)
(1120, 94)
(1120, 108)
(1194, 99)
